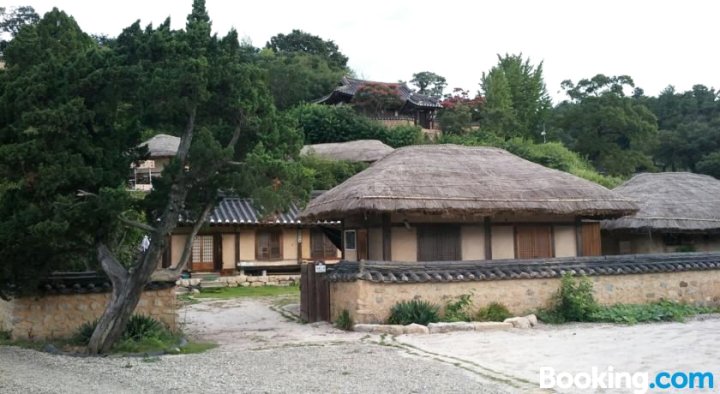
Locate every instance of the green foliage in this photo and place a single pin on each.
(616, 133)
(330, 173)
(402, 135)
(574, 301)
(458, 309)
(300, 42)
(84, 332)
(429, 83)
(13, 19)
(298, 78)
(641, 313)
(344, 321)
(710, 165)
(493, 312)
(516, 101)
(324, 123)
(141, 326)
(456, 120)
(140, 329)
(414, 311)
(686, 249)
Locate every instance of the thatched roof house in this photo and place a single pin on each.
(678, 210)
(161, 149)
(480, 181)
(491, 204)
(367, 151)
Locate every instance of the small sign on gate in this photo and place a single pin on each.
(320, 268)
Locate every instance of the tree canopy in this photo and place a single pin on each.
(429, 83)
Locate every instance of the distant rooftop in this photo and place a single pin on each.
(361, 150)
(162, 145)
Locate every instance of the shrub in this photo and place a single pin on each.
(458, 310)
(402, 135)
(5, 335)
(141, 327)
(493, 312)
(639, 313)
(84, 332)
(414, 311)
(575, 300)
(344, 321)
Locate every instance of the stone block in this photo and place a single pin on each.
(257, 284)
(518, 322)
(415, 329)
(490, 325)
(436, 328)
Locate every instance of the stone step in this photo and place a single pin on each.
(212, 284)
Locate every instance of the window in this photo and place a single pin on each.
(350, 240)
(438, 243)
(320, 246)
(202, 249)
(533, 242)
(268, 245)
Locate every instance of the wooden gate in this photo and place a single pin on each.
(314, 294)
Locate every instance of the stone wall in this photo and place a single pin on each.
(370, 302)
(59, 316)
(245, 281)
(5, 315)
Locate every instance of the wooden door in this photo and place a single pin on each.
(591, 244)
(438, 243)
(533, 242)
(362, 244)
(203, 253)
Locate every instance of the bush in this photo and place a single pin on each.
(639, 313)
(402, 135)
(458, 310)
(573, 302)
(493, 312)
(84, 332)
(344, 321)
(414, 311)
(330, 173)
(139, 328)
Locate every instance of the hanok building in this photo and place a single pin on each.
(679, 211)
(447, 202)
(161, 149)
(239, 239)
(415, 108)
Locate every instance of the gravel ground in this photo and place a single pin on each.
(260, 352)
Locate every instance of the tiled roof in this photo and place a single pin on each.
(475, 271)
(241, 211)
(162, 145)
(350, 86)
(88, 282)
(234, 210)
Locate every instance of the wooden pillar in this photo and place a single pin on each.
(578, 236)
(386, 237)
(237, 247)
(488, 238)
(299, 239)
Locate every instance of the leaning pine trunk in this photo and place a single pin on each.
(126, 292)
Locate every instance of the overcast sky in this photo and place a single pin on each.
(658, 43)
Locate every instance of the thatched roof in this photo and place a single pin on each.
(456, 180)
(162, 145)
(360, 150)
(671, 201)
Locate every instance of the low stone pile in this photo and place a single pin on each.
(241, 280)
(437, 328)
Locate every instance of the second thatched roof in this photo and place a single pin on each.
(671, 201)
(361, 150)
(457, 180)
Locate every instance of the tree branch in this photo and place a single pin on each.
(187, 249)
(116, 272)
(135, 224)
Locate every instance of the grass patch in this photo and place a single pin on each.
(197, 347)
(643, 313)
(238, 292)
(187, 299)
